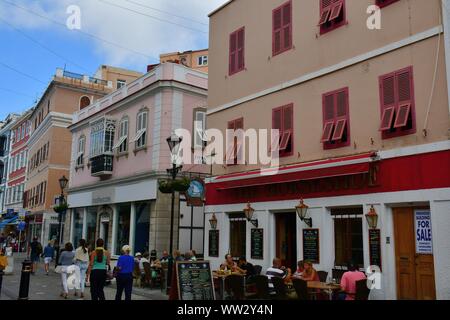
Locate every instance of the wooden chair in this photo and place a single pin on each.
(280, 288)
(262, 287)
(322, 276)
(234, 285)
(301, 288)
(137, 274)
(258, 269)
(147, 274)
(362, 291)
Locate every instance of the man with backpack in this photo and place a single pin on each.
(35, 251)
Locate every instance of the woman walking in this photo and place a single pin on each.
(82, 261)
(98, 266)
(65, 261)
(125, 266)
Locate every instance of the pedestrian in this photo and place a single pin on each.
(66, 259)
(2, 239)
(49, 253)
(82, 261)
(3, 266)
(34, 251)
(124, 278)
(99, 263)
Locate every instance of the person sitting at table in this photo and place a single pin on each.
(300, 268)
(278, 270)
(230, 265)
(140, 259)
(165, 256)
(246, 266)
(309, 273)
(349, 279)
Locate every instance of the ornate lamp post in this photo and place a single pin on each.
(249, 211)
(63, 181)
(302, 211)
(372, 218)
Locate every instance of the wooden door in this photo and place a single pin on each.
(415, 272)
(286, 239)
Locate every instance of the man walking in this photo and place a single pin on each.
(34, 250)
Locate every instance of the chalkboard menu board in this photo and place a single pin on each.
(213, 243)
(311, 250)
(194, 280)
(375, 247)
(257, 244)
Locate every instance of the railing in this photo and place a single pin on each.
(102, 165)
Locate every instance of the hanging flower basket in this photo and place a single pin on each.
(181, 185)
(61, 208)
(165, 186)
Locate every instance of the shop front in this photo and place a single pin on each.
(386, 211)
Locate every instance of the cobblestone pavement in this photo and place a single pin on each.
(43, 287)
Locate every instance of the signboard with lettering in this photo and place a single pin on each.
(424, 238)
(195, 195)
(194, 280)
(311, 250)
(375, 247)
(257, 244)
(213, 243)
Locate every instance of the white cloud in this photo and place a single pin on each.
(128, 29)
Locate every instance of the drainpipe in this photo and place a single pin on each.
(446, 24)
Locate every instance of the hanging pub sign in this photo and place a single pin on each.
(195, 195)
(213, 244)
(257, 244)
(311, 250)
(424, 238)
(375, 247)
(194, 280)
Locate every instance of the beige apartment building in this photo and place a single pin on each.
(194, 59)
(363, 118)
(49, 146)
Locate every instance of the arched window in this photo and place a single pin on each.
(84, 102)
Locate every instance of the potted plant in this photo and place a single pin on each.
(165, 186)
(181, 185)
(61, 208)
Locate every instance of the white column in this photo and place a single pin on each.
(132, 226)
(72, 225)
(115, 222)
(84, 232)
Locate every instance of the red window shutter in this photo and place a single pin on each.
(233, 53)
(285, 138)
(339, 131)
(329, 107)
(324, 16)
(402, 116)
(388, 99)
(404, 86)
(287, 26)
(327, 130)
(277, 21)
(239, 124)
(386, 118)
(336, 9)
(240, 48)
(276, 119)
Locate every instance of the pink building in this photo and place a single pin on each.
(119, 151)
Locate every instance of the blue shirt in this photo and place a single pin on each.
(126, 264)
(49, 252)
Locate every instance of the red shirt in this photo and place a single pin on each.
(348, 283)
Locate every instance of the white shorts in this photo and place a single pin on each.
(47, 260)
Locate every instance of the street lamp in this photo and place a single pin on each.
(62, 184)
(249, 211)
(302, 210)
(174, 142)
(372, 218)
(213, 222)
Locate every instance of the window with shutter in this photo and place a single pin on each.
(234, 153)
(397, 104)
(384, 3)
(282, 119)
(282, 28)
(237, 51)
(336, 119)
(332, 15)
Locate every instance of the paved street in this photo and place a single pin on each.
(43, 287)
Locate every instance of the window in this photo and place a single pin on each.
(282, 119)
(348, 236)
(199, 128)
(141, 129)
(120, 84)
(202, 61)
(237, 52)
(234, 153)
(123, 228)
(384, 3)
(102, 137)
(13, 136)
(336, 120)
(238, 235)
(282, 28)
(81, 150)
(84, 102)
(122, 144)
(332, 15)
(397, 104)
(23, 131)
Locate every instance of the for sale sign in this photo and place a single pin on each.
(424, 238)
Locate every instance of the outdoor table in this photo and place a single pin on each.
(322, 286)
(222, 277)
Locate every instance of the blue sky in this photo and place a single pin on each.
(125, 33)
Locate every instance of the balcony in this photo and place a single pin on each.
(102, 166)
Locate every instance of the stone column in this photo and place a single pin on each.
(84, 232)
(132, 226)
(115, 222)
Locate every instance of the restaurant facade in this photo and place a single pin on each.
(362, 146)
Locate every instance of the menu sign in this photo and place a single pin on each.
(194, 280)
(311, 250)
(257, 244)
(375, 247)
(213, 243)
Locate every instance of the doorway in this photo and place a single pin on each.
(286, 239)
(415, 270)
(104, 232)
